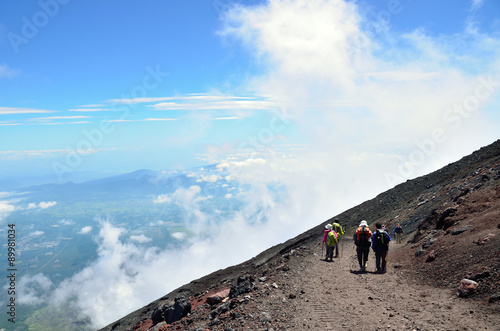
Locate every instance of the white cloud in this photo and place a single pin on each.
(66, 222)
(41, 205)
(48, 204)
(36, 233)
(163, 198)
(141, 239)
(186, 196)
(228, 196)
(365, 97)
(33, 289)
(6, 208)
(85, 230)
(178, 235)
(209, 179)
(199, 199)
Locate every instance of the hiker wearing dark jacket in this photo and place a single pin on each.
(380, 245)
(398, 232)
(362, 238)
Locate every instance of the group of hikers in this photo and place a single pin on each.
(364, 239)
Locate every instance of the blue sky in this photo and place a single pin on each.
(115, 86)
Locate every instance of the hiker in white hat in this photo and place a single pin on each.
(329, 250)
(362, 240)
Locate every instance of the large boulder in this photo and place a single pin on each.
(172, 313)
(242, 286)
(180, 309)
(467, 287)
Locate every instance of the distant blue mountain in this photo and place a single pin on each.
(139, 183)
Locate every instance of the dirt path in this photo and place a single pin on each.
(335, 296)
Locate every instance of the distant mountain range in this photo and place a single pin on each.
(138, 183)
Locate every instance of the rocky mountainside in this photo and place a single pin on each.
(451, 220)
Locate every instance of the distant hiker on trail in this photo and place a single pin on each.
(398, 232)
(340, 232)
(380, 245)
(362, 238)
(330, 239)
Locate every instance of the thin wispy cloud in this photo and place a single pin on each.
(15, 110)
(142, 120)
(216, 105)
(49, 118)
(91, 109)
(197, 97)
(201, 102)
(159, 119)
(61, 123)
(227, 118)
(476, 4)
(9, 123)
(47, 153)
(95, 105)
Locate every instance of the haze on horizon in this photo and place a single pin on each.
(333, 101)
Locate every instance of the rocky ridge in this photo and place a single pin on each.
(451, 219)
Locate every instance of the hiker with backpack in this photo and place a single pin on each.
(398, 232)
(380, 245)
(362, 239)
(330, 240)
(340, 232)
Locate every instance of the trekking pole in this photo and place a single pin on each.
(322, 246)
(342, 248)
(343, 239)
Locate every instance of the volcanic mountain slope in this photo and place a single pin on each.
(451, 219)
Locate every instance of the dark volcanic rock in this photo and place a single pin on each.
(243, 286)
(172, 313)
(460, 230)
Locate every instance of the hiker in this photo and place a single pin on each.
(329, 251)
(398, 232)
(330, 239)
(340, 232)
(380, 245)
(362, 237)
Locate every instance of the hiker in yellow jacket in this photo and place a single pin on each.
(340, 231)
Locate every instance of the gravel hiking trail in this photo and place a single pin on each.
(334, 295)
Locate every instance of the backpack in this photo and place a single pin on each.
(398, 229)
(338, 228)
(333, 238)
(362, 237)
(381, 239)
